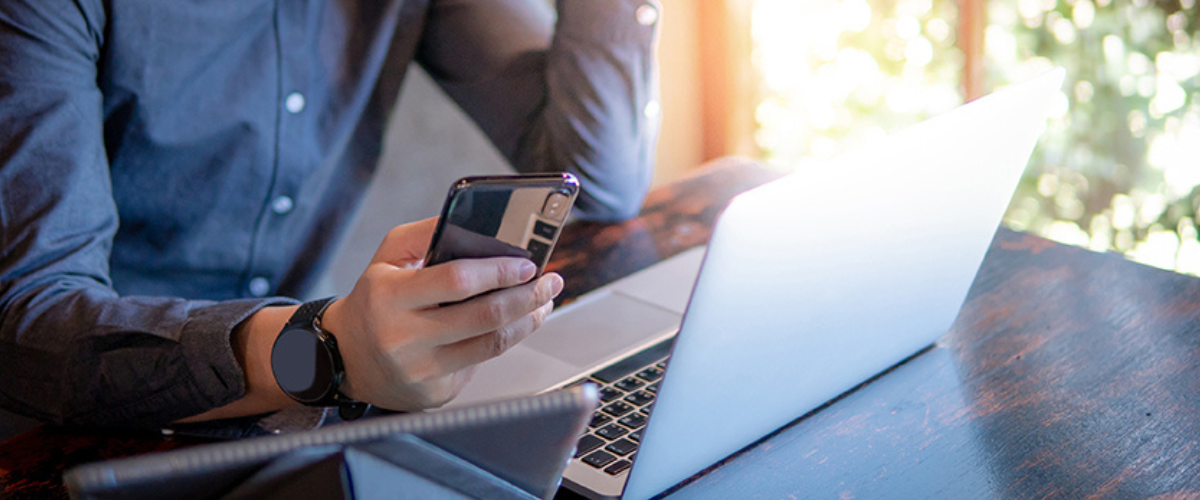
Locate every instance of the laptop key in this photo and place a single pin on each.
(618, 467)
(636, 436)
(653, 387)
(612, 432)
(640, 398)
(633, 421)
(650, 374)
(587, 443)
(628, 384)
(622, 447)
(599, 419)
(608, 394)
(618, 408)
(599, 459)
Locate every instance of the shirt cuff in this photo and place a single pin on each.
(213, 377)
(206, 344)
(628, 21)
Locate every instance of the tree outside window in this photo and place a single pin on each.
(1119, 166)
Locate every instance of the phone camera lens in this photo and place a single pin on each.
(555, 206)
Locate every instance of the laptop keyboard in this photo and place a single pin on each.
(627, 392)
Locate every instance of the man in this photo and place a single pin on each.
(170, 172)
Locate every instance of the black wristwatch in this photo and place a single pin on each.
(307, 363)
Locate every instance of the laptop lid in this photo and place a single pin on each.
(816, 282)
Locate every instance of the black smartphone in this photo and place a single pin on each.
(503, 216)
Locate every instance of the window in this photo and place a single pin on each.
(1119, 166)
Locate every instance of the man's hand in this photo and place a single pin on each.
(404, 352)
(401, 351)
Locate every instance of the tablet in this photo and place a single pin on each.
(506, 449)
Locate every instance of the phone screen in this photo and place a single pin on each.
(503, 216)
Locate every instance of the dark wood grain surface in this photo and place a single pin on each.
(1069, 374)
(674, 218)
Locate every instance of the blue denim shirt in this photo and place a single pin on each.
(168, 168)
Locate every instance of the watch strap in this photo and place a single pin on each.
(308, 316)
(309, 312)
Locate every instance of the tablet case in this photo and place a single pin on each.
(514, 449)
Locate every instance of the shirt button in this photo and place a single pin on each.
(282, 205)
(260, 287)
(652, 109)
(647, 15)
(294, 102)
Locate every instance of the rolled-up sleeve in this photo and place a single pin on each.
(72, 351)
(574, 90)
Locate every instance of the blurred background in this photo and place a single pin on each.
(793, 81)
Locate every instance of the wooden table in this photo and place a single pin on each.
(1068, 374)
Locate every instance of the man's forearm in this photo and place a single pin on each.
(601, 117)
(579, 95)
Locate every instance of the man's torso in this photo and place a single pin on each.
(241, 135)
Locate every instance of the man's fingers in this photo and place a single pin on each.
(493, 311)
(406, 243)
(462, 279)
(472, 351)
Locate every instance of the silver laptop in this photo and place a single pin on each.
(810, 285)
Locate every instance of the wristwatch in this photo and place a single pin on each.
(307, 363)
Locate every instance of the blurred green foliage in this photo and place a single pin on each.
(1119, 166)
(1119, 170)
(840, 72)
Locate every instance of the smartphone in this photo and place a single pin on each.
(503, 216)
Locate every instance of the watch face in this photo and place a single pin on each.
(303, 365)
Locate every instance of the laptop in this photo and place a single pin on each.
(809, 286)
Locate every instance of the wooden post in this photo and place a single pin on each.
(972, 24)
(727, 89)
